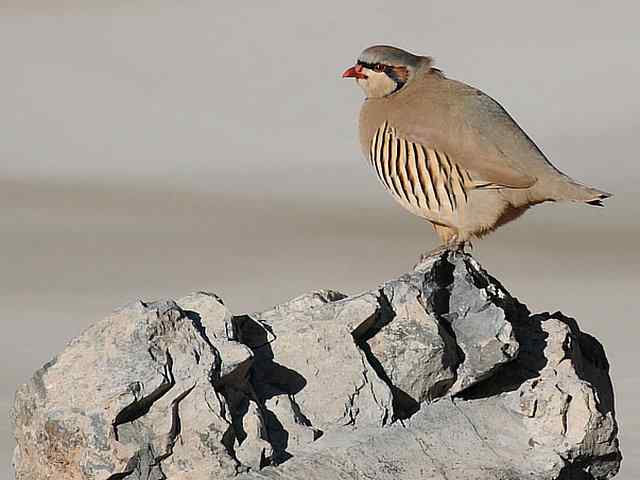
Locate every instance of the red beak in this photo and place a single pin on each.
(355, 72)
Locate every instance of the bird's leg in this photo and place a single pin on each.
(457, 245)
(451, 242)
(446, 246)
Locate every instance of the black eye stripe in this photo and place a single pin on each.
(372, 66)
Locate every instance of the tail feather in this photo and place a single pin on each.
(577, 192)
(595, 203)
(599, 197)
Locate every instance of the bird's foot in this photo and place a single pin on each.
(426, 258)
(455, 246)
(460, 246)
(435, 252)
(438, 251)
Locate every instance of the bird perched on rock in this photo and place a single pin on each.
(449, 153)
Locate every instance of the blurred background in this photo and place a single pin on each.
(149, 149)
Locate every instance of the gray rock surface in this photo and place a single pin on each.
(440, 374)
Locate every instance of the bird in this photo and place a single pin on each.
(448, 152)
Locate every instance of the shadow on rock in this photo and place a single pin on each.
(270, 384)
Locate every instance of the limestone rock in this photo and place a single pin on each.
(438, 374)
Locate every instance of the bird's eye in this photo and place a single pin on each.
(378, 67)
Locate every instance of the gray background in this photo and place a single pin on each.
(149, 149)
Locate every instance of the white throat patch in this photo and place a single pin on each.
(377, 84)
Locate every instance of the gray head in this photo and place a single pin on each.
(382, 70)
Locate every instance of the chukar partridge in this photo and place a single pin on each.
(449, 153)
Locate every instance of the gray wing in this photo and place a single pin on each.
(479, 135)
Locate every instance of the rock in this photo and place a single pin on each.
(439, 374)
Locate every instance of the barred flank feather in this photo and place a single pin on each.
(419, 178)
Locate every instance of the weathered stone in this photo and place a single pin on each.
(318, 363)
(130, 392)
(438, 374)
(478, 311)
(412, 351)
